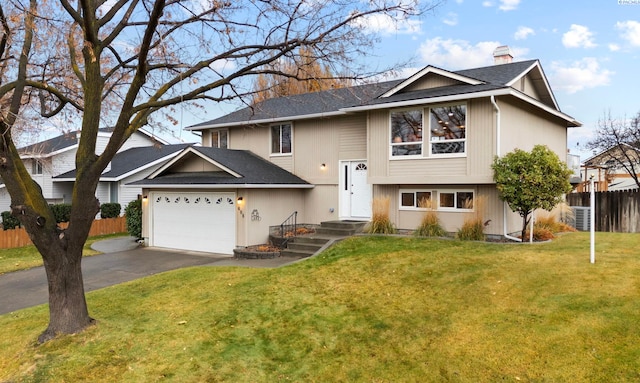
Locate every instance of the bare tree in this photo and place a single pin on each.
(119, 63)
(618, 143)
(307, 75)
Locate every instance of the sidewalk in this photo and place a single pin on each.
(123, 260)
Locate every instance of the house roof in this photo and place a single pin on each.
(603, 158)
(315, 104)
(131, 161)
(237, 168)
(487, 81)
(67, 141)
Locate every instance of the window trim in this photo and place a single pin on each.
(465, 140)
(218, 131)
(392, 144)
(455, 192)
(415, 198)
(280, 154)
(37, 168)
(435, 197)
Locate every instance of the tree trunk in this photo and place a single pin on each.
(68, 313)
(525, 222)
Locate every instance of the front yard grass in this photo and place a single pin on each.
(26, 257)
(371, 309)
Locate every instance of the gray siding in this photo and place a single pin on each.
(524, 127)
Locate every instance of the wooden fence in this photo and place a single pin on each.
(19, 237)
(616, 211)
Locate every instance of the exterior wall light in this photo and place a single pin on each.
(323, 166)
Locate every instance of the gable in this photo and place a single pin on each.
(194, 163)
(533, 83)
(430, 81)
(428, 78)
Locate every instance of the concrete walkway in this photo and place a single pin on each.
(123, 260)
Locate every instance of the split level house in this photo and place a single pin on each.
(51, 163)
(328, 155)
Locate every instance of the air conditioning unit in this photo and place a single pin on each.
(582, 217)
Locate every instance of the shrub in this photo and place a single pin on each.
(556, 221)
(540, 233)
(110, 210)
(61, 212)
(133, 213)
(473, 226)
(430, 224)
(380, 222)
(9, 221)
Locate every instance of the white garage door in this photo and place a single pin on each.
(194, 221)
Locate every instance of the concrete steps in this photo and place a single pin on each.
(328, 232)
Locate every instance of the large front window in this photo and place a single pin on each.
(448, 130)
(281, 139)
(406, 133)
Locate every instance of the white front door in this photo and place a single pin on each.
(355, 192)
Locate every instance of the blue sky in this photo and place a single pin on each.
(589, 50)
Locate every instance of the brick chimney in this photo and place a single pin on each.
(502, 55)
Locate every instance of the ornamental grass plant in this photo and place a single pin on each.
(474, 222)
(547, 224)
(380, 221)
(430, 224)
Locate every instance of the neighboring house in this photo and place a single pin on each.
(46, 160)
(126, 166)
(610, 174)
(431, 136)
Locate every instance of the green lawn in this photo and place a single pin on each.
(21, 258)
(371, 309)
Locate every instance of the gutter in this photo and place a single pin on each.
(505, 205)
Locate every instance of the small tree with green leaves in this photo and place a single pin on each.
(531, 180)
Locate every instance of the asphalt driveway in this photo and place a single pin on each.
(123, 260)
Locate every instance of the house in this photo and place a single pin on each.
(432, 136)
(126, 166)
(612, 169)
(52, 162)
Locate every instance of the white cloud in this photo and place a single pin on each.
(505, 5)
(523, 32)
(459, 54)
(630, 31)
(223, 65)
(451, 19)
(614, 47)
(578, 36)
(509, 5)
(386, 25)
(579, 75)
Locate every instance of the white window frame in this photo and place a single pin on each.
(455, 192)
(279, 154)
(218, 140)
(465, 140)
(415, 199)
(36, 167)
(393, 145)
(435, 198)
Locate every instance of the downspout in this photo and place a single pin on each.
(504, 206)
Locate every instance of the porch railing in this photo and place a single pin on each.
(289, 227)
